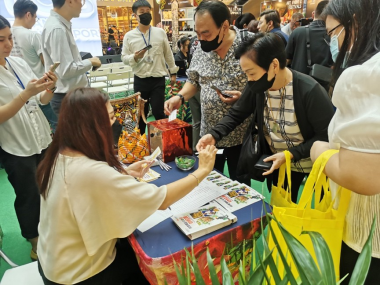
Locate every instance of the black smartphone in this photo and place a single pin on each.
(223, 94)
(145, 48)
(263, 165)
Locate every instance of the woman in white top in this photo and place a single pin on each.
(355, 128)
(89, 200)
(24, 131)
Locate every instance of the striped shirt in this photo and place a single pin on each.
(281, 127)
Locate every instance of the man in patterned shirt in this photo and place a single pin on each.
(214, 64)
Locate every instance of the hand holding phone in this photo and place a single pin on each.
(219, 91)
(145, 48)
(263, 165)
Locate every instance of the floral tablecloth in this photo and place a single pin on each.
(229, 244)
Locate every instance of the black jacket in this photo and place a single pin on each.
(180, 57)
(313, 111)
(297, 47)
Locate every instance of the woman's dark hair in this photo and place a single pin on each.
(365, 26)
(182, 41)
(253, 26)
(21, 7)
(4, 23)
(271, 15)
(58, 3)
(83, 126)
(140, 3)
(244, 19)
(217, 9)
(262, 49)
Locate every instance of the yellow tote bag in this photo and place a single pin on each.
(279, 196)
(313, 214)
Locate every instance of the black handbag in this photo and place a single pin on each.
(251, 152)
(320, 73)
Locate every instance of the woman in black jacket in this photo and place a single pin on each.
(292, 109)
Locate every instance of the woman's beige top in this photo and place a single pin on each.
(356, 127)
(89, 206)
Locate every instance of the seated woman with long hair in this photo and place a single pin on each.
(89, 200)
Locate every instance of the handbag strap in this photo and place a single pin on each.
(308, 45)
(315, 176)
(315, 182)
(283, 170)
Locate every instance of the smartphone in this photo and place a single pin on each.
(223, 94)
(263, 165)
(145, 48)
(55, 66)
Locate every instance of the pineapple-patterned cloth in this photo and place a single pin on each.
(184, 112)
(132, 147)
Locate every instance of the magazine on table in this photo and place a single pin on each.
(204, 220)
(238, 197)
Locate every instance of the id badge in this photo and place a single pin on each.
(149, 59)
(32, 106)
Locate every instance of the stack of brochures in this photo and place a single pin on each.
(218, 213)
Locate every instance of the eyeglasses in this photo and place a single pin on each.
(37, 19)
(329, 34)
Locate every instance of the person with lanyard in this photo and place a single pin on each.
(149, 65)
(291, 109)
(24, 131)
(214, 65)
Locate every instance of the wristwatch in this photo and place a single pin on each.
(173, 74)
(52, 90)
(181, 97)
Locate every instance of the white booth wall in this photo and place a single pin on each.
(85, 28)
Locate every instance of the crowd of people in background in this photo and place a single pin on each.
(306, 87)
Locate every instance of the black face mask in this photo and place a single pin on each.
(208, 46)
(261, 84)
(145, 19)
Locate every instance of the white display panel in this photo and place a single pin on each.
(85, 28)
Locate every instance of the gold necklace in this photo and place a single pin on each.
(283, 92)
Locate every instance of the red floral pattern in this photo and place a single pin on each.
(161, 270)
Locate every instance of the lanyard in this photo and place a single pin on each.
(18, 79)
(149, 36)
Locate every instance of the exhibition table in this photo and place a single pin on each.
(157, 247)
